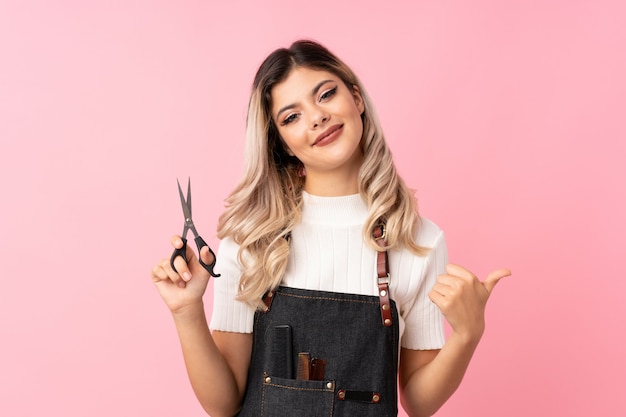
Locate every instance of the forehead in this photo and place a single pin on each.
(298, 85)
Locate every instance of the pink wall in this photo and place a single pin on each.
(506, 116)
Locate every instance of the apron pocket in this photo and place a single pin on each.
(293, 397)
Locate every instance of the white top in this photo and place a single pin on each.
(327, 253)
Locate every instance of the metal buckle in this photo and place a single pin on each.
(384, 280)
(383, 234)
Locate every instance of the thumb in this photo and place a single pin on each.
(206, 255)
(494, 277)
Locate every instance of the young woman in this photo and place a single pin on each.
(331, 284)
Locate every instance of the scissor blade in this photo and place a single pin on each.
(189, 195)
(186, 209)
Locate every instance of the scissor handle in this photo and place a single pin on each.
(200, 243)
(182, 251)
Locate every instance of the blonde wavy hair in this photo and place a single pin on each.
(266, 205)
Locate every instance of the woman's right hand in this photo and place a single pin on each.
(187, 286)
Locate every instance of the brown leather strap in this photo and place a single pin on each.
(382, 266)
(267, 299)
(360, 396)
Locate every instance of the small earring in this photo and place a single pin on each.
(301, 170)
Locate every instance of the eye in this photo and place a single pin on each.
(328, 94)
(292, 117)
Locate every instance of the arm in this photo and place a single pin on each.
(217, 364)
(429, 378)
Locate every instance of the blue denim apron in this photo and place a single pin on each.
(345, 330)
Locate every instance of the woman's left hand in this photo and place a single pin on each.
(462, 298)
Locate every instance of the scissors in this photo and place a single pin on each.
(200, 243)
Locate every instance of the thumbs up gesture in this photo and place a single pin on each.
(462, 298)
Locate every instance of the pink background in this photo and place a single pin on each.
(506, 116)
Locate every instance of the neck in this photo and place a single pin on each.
(330, 187)
(332, 183)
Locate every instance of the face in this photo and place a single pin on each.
(319, 119)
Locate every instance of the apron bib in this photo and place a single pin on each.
(360, 355)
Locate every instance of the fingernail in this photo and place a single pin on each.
(182, 284)
(186, 276)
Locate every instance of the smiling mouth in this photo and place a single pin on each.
(327, 133)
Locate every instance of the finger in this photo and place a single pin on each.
(177, 241)
(494, 277)
(437, 298)
(164, 271)
(443, 290)
(449, 280)
(459, 271)
(176, 277)
(182, 268)
(158, 273)
(169, 271)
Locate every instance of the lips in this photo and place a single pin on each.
(328, 135)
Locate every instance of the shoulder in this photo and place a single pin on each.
(429, 234)
(228, 253)
(228, 245)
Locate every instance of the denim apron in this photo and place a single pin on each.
(360, 354)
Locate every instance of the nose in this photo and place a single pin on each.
(319, 118)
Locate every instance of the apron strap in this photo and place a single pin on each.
(382, 269)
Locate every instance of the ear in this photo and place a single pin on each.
(358, 98)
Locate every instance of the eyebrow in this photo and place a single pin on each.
(313, 94)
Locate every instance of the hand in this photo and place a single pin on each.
(187, 286)
(462, 298)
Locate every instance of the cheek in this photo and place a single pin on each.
(293, 137)
(358, 123)
(288, 142)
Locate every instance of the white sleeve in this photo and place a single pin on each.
(424, 322)
(229, 314)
